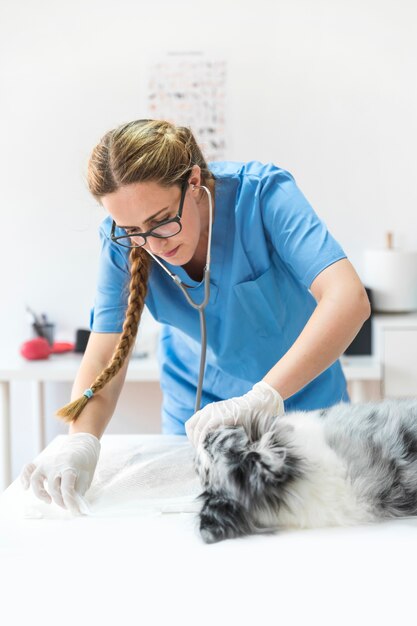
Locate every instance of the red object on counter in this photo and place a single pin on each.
(34, 349)
(62, 346)
(39, 348)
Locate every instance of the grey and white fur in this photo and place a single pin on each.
(348, 464)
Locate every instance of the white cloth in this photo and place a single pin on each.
(153, 476)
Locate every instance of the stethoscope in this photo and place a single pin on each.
(199, 307)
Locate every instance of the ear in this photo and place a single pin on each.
(222, 518)
(259, 471)
(195, 176)
(279, 460)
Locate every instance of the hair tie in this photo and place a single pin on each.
(89, 393)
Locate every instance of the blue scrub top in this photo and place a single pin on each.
(268, 245)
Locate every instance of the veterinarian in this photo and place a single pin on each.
(284, 304)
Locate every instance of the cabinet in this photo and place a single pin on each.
(400, 362)
(395, 345)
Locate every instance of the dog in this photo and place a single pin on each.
(340, 466)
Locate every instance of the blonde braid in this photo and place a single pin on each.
(139, 272)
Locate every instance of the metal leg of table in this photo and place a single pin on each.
(38, 404)
(5, 439)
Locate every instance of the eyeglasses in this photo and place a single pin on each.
(164, 230)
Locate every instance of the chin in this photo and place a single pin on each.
(182, 257)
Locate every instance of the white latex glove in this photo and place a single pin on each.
(68, 471)
(261, 400)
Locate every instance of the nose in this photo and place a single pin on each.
(156, 246)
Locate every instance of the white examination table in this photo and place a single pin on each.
(138, 558)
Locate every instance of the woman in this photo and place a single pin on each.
(285, 301)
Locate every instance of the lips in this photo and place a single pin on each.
(171, 253)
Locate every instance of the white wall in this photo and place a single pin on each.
(324, 88)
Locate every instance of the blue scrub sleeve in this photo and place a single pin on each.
(300, 238)
(108, 313)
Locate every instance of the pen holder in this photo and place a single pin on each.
(45, 330)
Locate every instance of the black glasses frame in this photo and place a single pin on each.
(150, 232)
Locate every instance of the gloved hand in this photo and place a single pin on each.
(261, 400)
(68, 472)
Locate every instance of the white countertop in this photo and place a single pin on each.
(63, 368)
(396, 319)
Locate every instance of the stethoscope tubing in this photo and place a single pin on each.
(198, 306)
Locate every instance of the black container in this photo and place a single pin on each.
(81, 340)
(362, 344)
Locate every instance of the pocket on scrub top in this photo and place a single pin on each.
(261, 301)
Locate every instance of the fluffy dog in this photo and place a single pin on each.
(348, 464)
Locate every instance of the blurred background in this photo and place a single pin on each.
(326, 89)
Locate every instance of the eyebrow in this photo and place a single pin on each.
(146, 221)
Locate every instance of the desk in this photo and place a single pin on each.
(64, 367)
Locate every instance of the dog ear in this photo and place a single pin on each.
(259, 470)
(222, 518)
